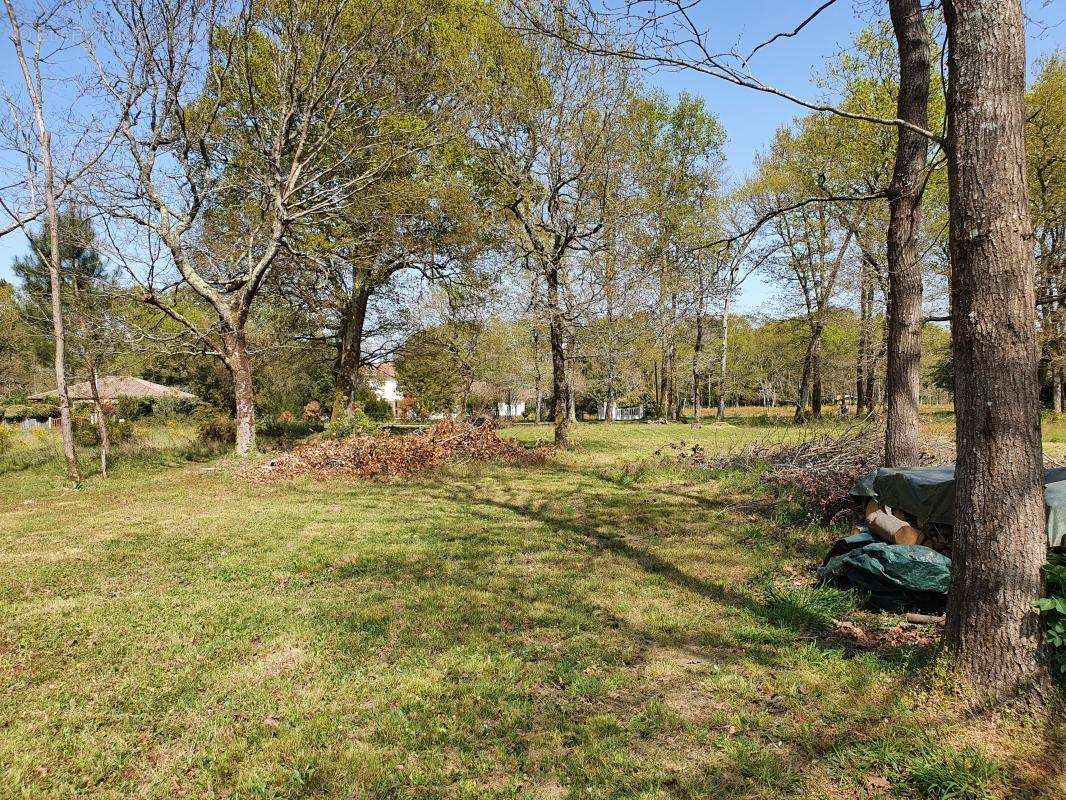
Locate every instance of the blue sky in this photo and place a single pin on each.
(749, 118)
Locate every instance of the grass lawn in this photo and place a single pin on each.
(586, 628)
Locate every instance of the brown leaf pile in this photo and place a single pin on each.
(904, 635)
(404, 456)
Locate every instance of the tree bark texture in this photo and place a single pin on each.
(556, 338)
(101, 421)
(235, 355)
(904, 306)
(992, 634)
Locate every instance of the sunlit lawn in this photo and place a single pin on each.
(588, 628)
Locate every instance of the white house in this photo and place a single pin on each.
(382, 382)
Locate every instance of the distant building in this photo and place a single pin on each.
(622, 413)
(382, 382)
(112, 387)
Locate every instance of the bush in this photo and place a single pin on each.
(132, 407)
(345, 423)
(1053, 613)
(87, 433)
(286, 426)
(17, 413)
(216, 428)
(7, 437)
(173, 406)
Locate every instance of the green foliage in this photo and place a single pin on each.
(215, 428)
(1053, 614)
(17, 413)
(287, 426)
(87, 432)
(377, 410)
(7, 437)
(344, 423)
(132, 407)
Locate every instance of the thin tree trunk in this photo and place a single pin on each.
(44, 138)
(805, 384)
(1056, 391)
(992, 635)
(240, 367)
(816, 375)
(101, 421)
(723, 361)
(697, 350)
(904, 307)
(537, 378)
(556, 337)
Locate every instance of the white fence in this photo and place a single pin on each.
(623, 414)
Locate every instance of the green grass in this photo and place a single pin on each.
(577, 629)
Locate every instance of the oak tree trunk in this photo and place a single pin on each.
(556, 338)
(235, 355)
(992, 634)
(904, 302)
(350, 347)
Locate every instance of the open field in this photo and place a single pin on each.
(594, 627)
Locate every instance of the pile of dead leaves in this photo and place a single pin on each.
(902, 635)
(403, 456)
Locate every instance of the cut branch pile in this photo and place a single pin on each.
(403, 456)
(822, 466)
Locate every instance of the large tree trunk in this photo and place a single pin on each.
(101, 421)
(235, 355)
(904, 307)
(556, 338)
(992, 634)
(350, 346)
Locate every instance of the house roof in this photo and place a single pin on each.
(112, 387)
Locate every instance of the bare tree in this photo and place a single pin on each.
(40, 38)
(246, 125)
(551, 153)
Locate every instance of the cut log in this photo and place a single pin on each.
(890, 527)
(925, 619)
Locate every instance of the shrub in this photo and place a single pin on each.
(216, 428)
(7, 437)
(286, 426)
(173, 406)
(87, 433)
(17, 413)
(313, 412)
(132, 407)
(345, 423)
(1053, 613)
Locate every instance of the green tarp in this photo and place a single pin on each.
(894, 577)
(928, 493)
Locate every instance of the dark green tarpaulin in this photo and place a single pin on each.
(928, 493)
(895, 577)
